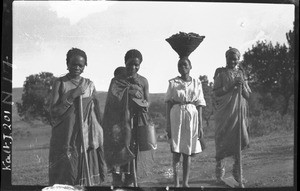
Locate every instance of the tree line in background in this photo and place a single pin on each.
(268, 67)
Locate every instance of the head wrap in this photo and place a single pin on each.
(231, 51)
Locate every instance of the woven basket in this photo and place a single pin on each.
(185, 43)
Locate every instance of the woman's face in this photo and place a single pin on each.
(184, 67)
(232, 60)
(76, 65)
(132, 66)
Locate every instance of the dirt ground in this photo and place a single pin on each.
(269, 162)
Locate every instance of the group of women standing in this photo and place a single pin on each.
(113, 141)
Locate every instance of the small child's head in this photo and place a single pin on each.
(120, 72)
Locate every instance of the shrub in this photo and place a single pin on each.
(157, 112)
(36, 97)
(268, 122)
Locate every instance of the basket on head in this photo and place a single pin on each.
(185, 43)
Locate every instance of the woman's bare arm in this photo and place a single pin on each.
(58, 106)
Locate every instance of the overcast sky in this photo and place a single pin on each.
(44, 31)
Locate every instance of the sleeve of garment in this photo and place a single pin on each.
(246, 85)
(200, 101)
(89, 87)
(92, 88)
(168, 96)
(98, 112)
(219, 89)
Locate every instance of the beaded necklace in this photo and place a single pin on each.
(234, 72)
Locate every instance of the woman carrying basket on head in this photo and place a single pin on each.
(66, 157)
(184, 100)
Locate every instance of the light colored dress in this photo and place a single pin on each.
(183, 115)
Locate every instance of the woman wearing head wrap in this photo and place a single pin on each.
(227, 82)
(125, 114)
(66, 151)
(184, 100)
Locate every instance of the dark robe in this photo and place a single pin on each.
(123, 116)
(226, 115)
(66, 151)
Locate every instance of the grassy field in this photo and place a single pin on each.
(269, 162)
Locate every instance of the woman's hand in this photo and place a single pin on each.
(238, 81)
(135, 93)
(77, 92)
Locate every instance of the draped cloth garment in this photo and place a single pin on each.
(120, 138)
(116, 123)
(66, 152)
(184, 115)
(226, 114)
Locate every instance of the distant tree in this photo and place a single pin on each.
(207, 88)
(36, 97)
(271, 71)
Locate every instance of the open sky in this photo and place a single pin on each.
(43, 32)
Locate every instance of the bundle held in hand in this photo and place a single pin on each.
(185, 43)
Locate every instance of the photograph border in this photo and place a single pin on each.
(6, 100)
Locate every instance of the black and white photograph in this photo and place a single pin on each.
(133, 95)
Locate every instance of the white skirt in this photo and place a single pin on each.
(184, 129)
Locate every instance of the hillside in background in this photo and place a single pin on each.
(17, 94)
(17, 97)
